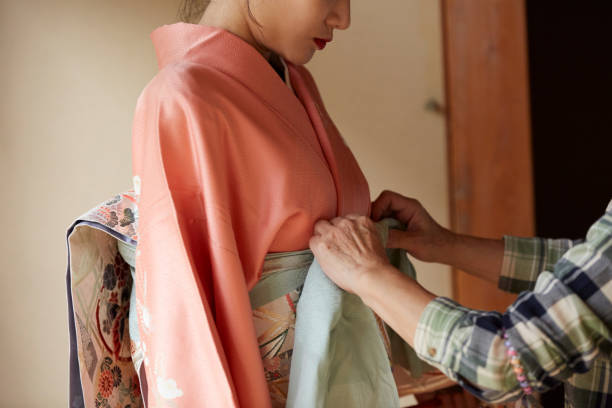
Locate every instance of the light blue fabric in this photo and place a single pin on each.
(339, 358)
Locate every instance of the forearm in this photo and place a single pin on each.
(402, 303)
(397, 299)
(467, 344)
(481, 257)
(478, 256)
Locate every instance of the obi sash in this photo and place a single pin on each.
(328, 368)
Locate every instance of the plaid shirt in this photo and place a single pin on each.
(560, 324)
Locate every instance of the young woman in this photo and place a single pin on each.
(234, 157)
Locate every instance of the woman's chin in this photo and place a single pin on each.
(299, 58)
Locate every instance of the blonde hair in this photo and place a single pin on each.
(191, 11)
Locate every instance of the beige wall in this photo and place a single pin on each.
(71, 72)
(70, 76)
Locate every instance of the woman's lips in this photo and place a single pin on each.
(321, 43)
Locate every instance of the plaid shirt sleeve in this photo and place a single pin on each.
(525, 258)
(559, 329)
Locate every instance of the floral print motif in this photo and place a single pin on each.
(116, 371)
(128, 217)
(112, 219)
(105, 384)
(113, 382)
(275, 328)
(113, 308)
(168, 389)
(109, 279)
(109, 383)
(116, 294)
(113, 200)
(108, 214)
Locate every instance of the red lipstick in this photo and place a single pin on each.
(321, 43)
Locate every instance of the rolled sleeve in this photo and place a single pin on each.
(560, 330)
(526, 258)
(434, 332)
(466, 345)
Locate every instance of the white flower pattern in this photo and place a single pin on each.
(168, 389)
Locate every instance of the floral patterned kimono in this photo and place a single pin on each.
(99, 287)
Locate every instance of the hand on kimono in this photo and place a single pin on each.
(423, 238)
(349, 249)
(428, 241)
(351, 253)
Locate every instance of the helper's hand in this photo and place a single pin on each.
(352, 255)
(349, 250)
(424, 238)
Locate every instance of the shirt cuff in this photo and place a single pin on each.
(433, 336)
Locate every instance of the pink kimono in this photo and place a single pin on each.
(231, 164)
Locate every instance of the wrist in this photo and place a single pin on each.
(372, 282)
(447, 246)
(397, 299)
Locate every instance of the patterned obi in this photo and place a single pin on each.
(105, 351)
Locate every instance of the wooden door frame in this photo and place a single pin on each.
(489, 138)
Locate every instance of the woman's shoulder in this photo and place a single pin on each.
(184, 82)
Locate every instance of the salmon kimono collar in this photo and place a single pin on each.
(230, 164)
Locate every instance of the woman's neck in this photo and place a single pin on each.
(229, 16)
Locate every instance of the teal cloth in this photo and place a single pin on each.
(339, 358)
(282, 273)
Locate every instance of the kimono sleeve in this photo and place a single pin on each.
(194, 314)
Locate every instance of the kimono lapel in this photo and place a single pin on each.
(300, 108)
(228, 53)
(326, 133)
